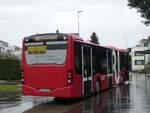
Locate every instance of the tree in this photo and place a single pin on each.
(94, 38)
(143, 7)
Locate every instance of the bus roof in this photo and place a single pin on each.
(76, 37)
(122, 50)
(108, 47)
(45, 34)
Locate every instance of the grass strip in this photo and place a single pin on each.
(4, 87)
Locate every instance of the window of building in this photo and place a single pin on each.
(137, 53)
(139, 62)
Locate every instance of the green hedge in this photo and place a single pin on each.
(10, 69)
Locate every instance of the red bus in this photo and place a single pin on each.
(64, 65)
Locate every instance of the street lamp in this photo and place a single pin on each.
(78, 12)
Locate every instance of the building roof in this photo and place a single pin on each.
(3, 42)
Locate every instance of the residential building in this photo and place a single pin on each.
(138, 59)
(11, 50)
(14, 50)
(3, 47)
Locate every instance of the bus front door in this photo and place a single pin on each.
(86, 70)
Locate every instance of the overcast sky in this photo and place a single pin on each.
(112, 20)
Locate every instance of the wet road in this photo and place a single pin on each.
(128, 98)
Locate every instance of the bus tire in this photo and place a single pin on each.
(98, 88)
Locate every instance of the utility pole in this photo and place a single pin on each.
(78, 12)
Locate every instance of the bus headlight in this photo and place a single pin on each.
(27, 40)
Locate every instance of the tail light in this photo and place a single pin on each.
(22, 76)
(69, 77)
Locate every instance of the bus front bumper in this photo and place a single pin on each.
(59, 92)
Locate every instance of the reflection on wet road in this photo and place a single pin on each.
(128, 98)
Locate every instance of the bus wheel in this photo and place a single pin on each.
(98, 88)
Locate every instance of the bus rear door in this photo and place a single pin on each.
(86, 70)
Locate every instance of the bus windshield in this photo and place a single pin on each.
(51, 52)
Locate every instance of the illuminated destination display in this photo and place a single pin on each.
(37, 38)
(36, 49)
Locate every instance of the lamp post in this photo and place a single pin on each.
(78, 12)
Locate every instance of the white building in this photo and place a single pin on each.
(6, 49)
(14, 50)
(138, 59)
(3, 47)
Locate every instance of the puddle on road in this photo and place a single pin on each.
(109, 101)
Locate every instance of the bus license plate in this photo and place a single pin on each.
(44, 90)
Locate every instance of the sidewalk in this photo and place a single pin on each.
(4, 94)
(9, 93)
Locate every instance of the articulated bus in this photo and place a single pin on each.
(64, 65)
